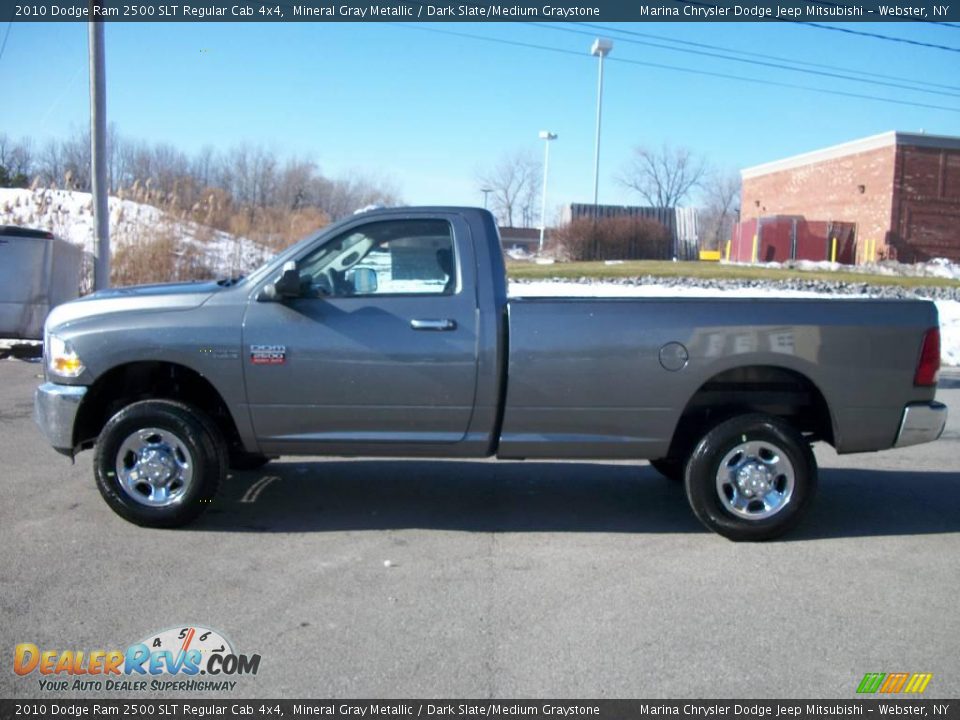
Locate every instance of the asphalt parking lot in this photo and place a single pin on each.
(503, 580)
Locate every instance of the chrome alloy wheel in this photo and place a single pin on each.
(755, 480)
(154, 467)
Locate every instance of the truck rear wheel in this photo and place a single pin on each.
(751, 477)
(159, 463)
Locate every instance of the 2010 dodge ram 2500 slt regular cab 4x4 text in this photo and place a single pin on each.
(391, 334)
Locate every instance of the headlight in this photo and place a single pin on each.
(62, 359)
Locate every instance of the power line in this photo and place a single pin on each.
(911, 19)
(821, 26)
(6, 36)
(675, 68)
(878, 36)
(747, 53)
(763, 63)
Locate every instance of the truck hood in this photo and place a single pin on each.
(146, 298)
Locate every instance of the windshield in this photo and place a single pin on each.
(262, 271)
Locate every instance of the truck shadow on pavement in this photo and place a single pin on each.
(329, 496)
(866, 503)
(449, 495)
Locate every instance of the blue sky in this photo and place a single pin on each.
(430, 110)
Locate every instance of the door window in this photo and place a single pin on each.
(393, 257)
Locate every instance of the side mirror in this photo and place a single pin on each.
(287, 286)
(364, 280)
(268, 294)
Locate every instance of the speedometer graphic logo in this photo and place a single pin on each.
(184, 639)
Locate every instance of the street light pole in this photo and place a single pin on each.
(485, 191)
(98, 153)
(601, 48)
(546, 136)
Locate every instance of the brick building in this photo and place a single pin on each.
(900, 190)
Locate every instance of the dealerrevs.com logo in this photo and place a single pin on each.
(186, 658)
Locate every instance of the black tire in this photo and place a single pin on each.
(670, 468)
(195, 434)
(753, 430)
(242, 460)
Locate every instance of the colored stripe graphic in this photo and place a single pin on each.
(890, 683)
(894, 682)
(918, 682)
(871, 682)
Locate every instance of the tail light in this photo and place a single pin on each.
(928, 367)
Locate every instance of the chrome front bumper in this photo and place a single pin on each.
(54, 410)
(921, 423)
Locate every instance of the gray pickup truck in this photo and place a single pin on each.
(391, 334)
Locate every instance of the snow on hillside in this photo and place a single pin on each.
(949, 309)
(69, 215)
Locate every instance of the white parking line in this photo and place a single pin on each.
(254, 491)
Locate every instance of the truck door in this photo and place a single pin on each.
(379, 353)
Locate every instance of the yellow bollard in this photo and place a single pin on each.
(727, 252)
(833, 251)
(753, 252)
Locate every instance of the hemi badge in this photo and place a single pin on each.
(268, 354)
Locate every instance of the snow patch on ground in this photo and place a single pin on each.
(949, 331)
(69, 215)
(949, 309)
(937, 267)
(560, 288)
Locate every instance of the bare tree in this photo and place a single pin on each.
(51, 165)
(16, 161)
(114, 158)
(76, 157)
(249, 173)
(664, 177)
(294, 184)
(202, 166)
(514, 182)
(213, 186)
(339, 198)
(168, 165)
(721, 196)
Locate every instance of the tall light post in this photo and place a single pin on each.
(486, 191)
(546, 136)
(98, 152)
(601, 48)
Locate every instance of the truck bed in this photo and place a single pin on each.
(585, 377)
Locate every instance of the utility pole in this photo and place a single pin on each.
(98, 151)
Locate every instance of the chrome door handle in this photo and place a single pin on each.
(447, 324)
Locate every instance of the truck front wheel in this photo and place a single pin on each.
(751, 477)
(158, 463)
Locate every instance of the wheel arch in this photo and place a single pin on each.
(762, 387)
(150, 380)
